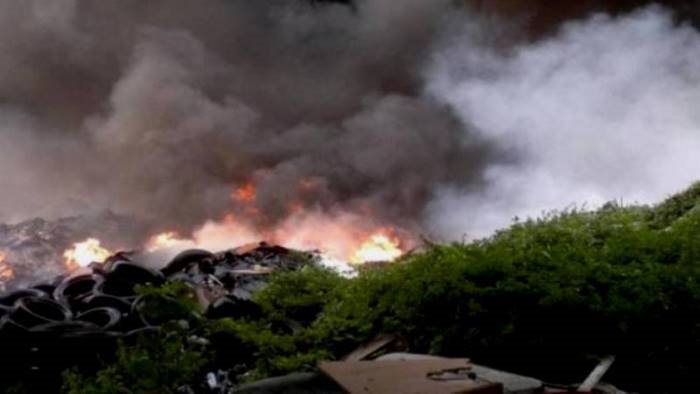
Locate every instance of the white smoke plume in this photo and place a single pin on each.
(604, 110)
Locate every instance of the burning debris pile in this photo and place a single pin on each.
(39, 250)
(78, 318)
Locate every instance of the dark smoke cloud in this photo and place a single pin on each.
(426, 115)
(158, 109)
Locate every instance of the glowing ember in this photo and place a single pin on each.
(84, 253)
(378, 247)
(244, 194)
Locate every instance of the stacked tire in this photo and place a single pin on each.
(78, 320)
(75, 321)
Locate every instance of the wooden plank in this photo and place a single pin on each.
(597, 374)
(366, 350)
(408, 377)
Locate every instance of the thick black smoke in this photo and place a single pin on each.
(159, 109)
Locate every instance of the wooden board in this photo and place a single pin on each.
(408, 377)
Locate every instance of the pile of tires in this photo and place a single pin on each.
(78, 319)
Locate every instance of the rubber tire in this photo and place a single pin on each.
(105, 318)
(99, 300)
(46, 288)
(10, 299)
(9, 327)
(116, 288)
(33, 311)
(60, 328)
(186, 258)
(73, 289)
(133, 273)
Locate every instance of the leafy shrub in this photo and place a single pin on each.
(159, 363)
(171, 301)
(544, 297)
(675, 206)
(298, 295)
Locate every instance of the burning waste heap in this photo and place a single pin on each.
(78, 318)
(349, 127)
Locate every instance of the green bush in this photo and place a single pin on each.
(298, 295)
(545, 297)
(159, 363)
(171, 301)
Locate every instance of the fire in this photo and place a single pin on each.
(212, 235)
(244, 194)
(379, 247)
(342, 237)
(6, 272)
(84, 253)
(166, 240)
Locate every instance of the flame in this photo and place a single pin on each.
(244, 194)
(166, 240)
(212, 235)
(379, 247)
(84, 253)
(340, 237)
(6, 272)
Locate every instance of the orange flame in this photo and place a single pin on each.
(166, 240)
(245, 194)
(343, 237)
(379, 247)
(6, 272)
(84, 253)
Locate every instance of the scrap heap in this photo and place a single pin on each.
(78, 318)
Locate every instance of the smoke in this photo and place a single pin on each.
(416, 114)
(158, 111)
(601, 111)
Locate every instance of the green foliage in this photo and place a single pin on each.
(675, 206)
(159, 363)
(542, 298)
(271, 352)
(299, 295)
(171, 301)
(284, 340)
